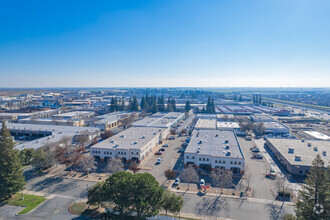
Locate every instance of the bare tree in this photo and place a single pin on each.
(82, 139)
(114, 165)
(86, 164)
(222, 179)
(106, 135)
(170, 174)
(134, 167)
(126, 121)
(245, 124)
(282, 185)
(260, 128)
(189, 175)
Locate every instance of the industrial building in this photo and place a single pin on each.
(275, 128)
(133, 144)
(139, 141)
(50, 121)
(261, 118)
(296, 156)
(111, 120)
(35, 136)
(210, 149)
(74, 115)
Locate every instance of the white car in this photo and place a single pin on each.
(159, 160)
(202, 182)
(177, 181)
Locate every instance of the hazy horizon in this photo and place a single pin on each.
(188, 43)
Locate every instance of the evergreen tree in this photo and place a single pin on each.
(313, 199)
(173, 104)
(130, 104)
(143, 102)
(112, 104)
(187, 107)
(11, 173)
(154, 107)
(135, 104)
(161, 103)
(169, 105)
(123, 105)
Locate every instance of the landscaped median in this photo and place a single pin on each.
(29, 201)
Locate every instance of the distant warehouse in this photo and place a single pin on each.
(297, 155)
(210, 149)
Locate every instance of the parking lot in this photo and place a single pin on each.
(172, 158)
(255, 171)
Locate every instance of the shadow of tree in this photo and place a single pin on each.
(47, 183)
(275, 211)
(212, 207)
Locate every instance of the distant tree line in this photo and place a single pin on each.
(153, 104)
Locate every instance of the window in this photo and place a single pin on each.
(207, 159)
(231, 162)
(187, 157)
(193, 157)
(239, 162)
(216, 161)
(224, 161)
(235, 162)
(200, 158)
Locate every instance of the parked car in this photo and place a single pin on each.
(165, 145)
(258, 156)
(171, 138)
(159, 153)
(202, 182)
(187, 140)
(177, 181)
(185, 144)
(255, 150)
(162, 149)
(181, 150)
(159, 160)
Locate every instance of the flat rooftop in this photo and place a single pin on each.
(274, 125)
(73, 114)
(57, 133)
(318, 135)
(261, 118)
(206, 124)
(227, 124)
(213, 143)
(132, 138)
(306, 150)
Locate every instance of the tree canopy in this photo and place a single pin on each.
(128, 193)
(313, 199)
(11, 172)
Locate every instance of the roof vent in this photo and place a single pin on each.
(228, 153)
(315, 149)
(297, 158)
(324, 153)
(291, 150)
(309, 144)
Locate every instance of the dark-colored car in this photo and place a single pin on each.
(162, 149)
(159, 153)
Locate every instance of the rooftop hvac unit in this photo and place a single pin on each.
(291, 150)
(309, 144)
(297, 158)
(315, 149)
(324, 153)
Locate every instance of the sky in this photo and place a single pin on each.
(165, 43)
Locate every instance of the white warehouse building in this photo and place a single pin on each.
(133, 144)
(211, 149)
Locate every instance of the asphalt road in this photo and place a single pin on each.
(206, 206)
